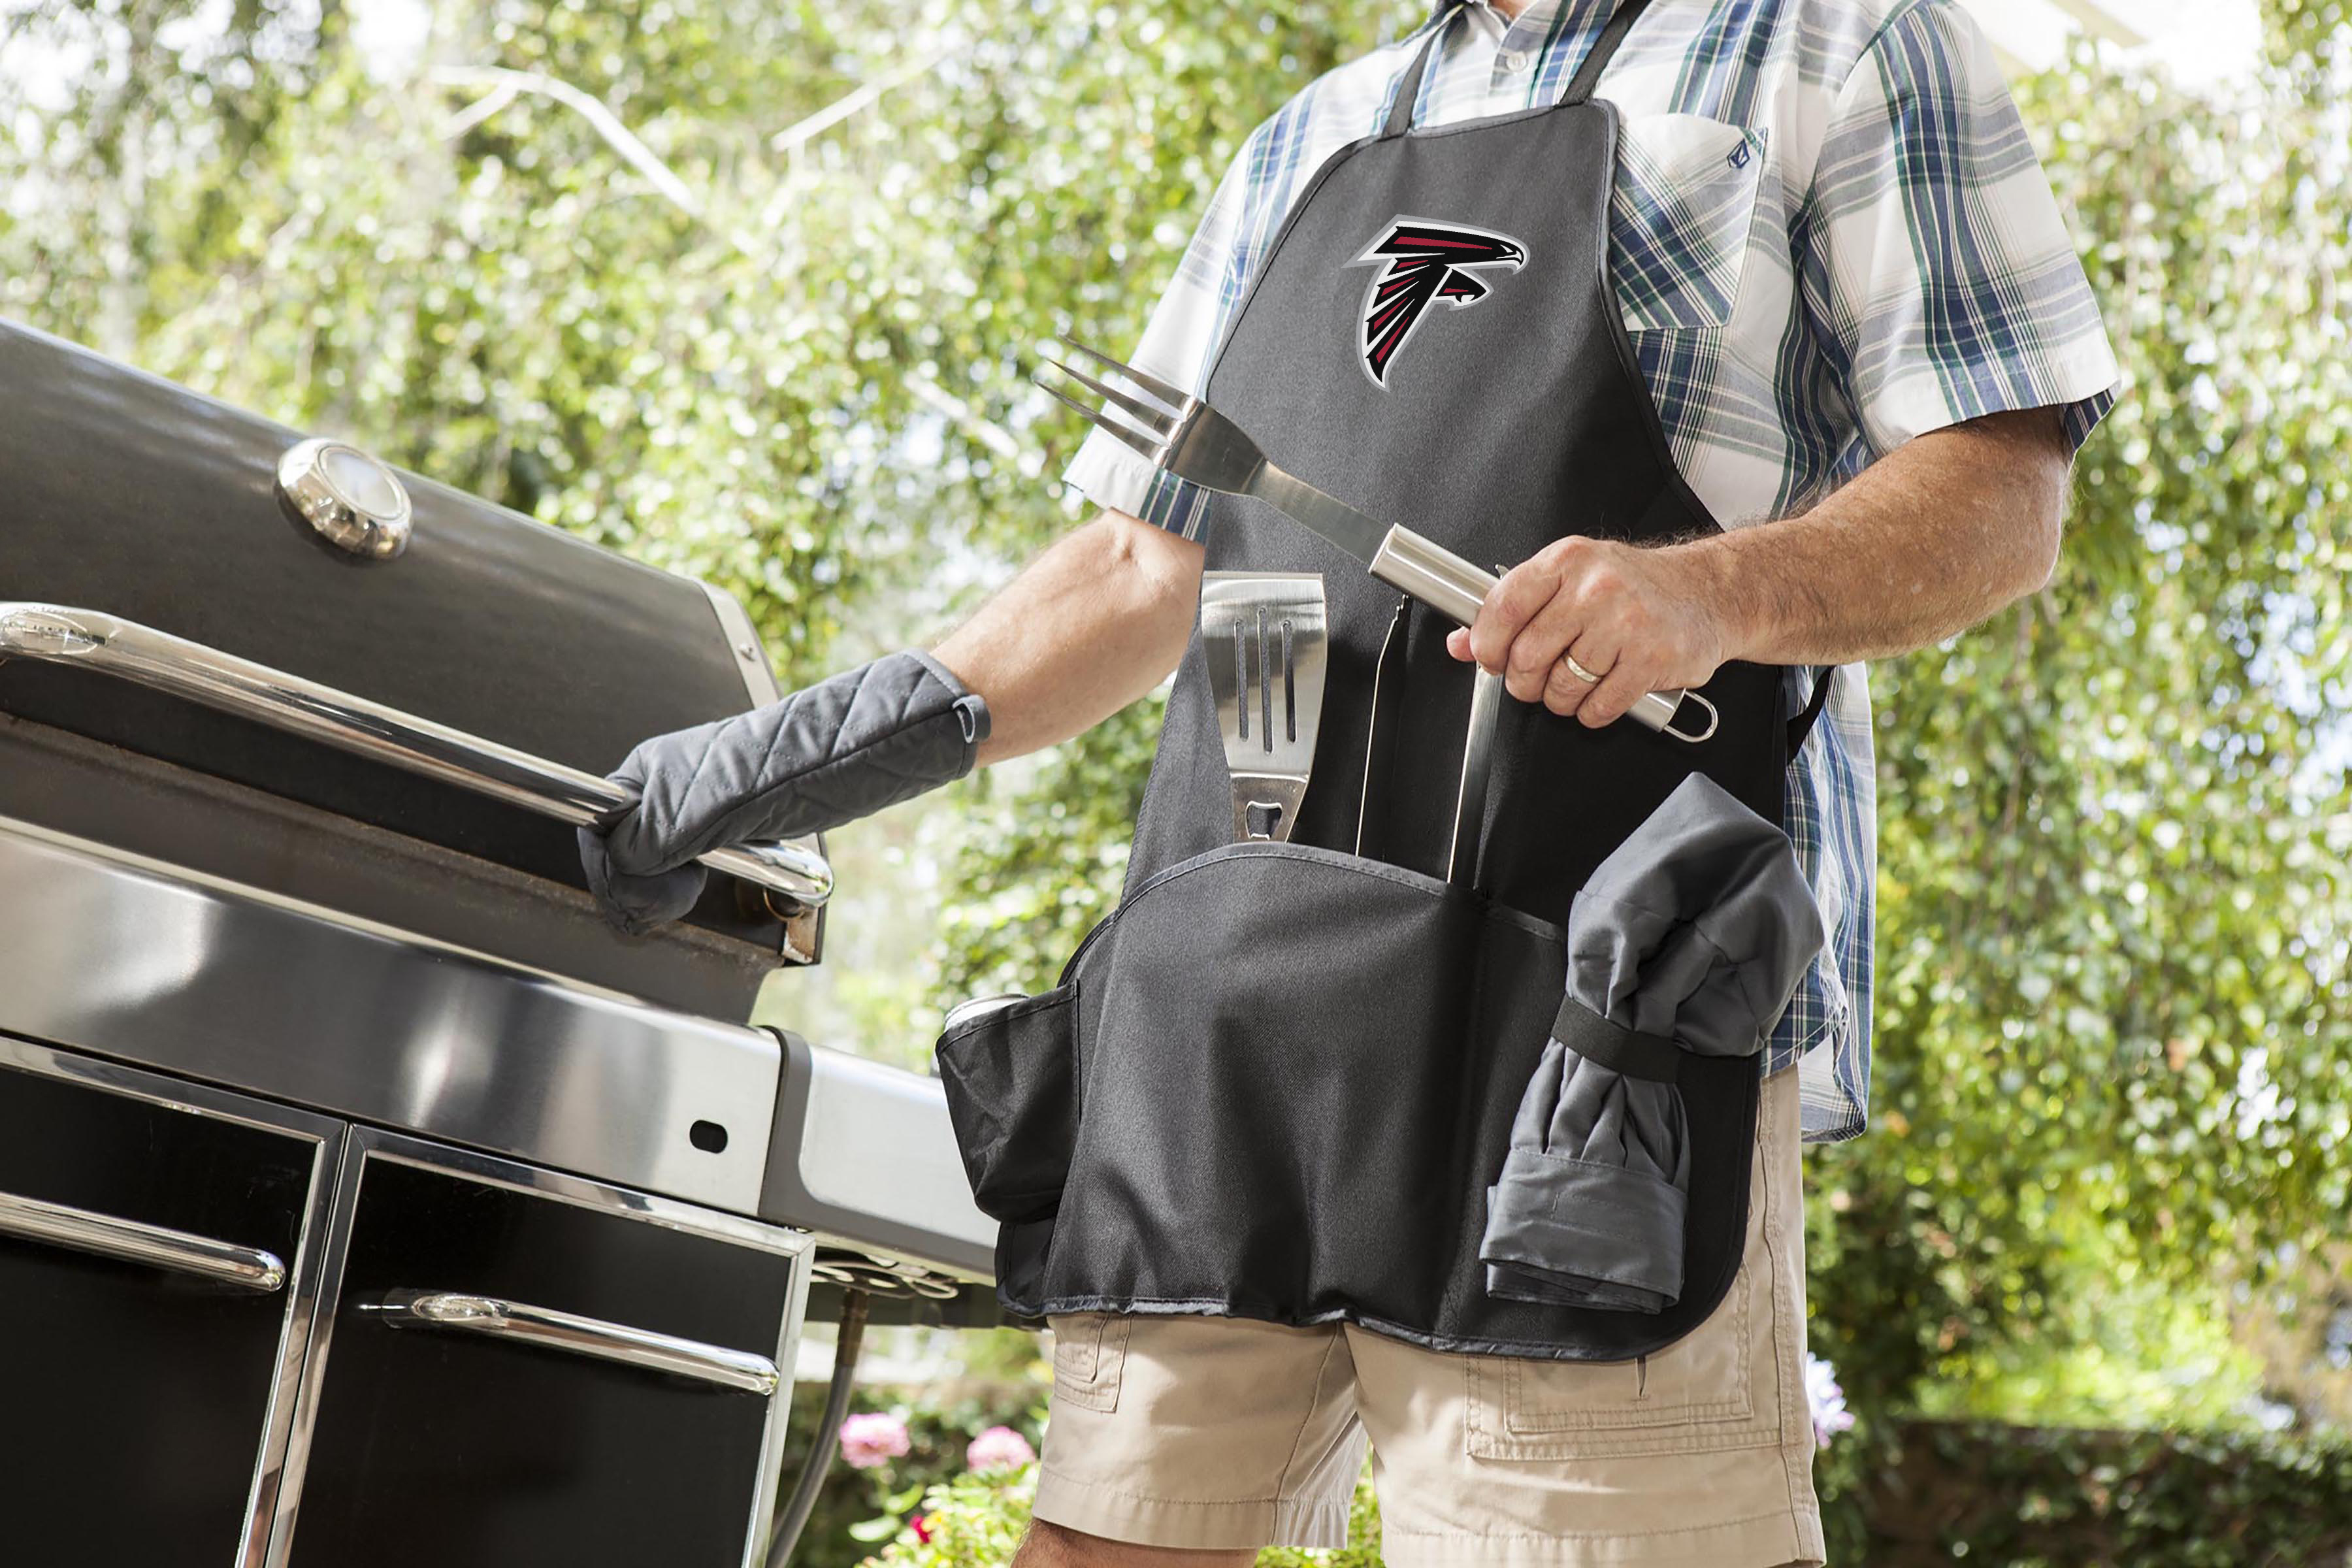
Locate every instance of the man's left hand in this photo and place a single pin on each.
(1637, 619)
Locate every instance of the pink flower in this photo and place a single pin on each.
(1821, 1391)
(999, 1449)
(922, 1527)
(871, 1439)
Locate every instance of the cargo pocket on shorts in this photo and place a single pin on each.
(1697, 1394)
(1089, 1358)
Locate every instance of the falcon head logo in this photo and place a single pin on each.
(1420, 264)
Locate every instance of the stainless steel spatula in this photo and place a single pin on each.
(1267, 645)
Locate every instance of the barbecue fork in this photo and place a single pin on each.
(1188, 438)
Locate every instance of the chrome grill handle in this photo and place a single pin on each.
(547, 1329)
(797, 870)
(132, 1241)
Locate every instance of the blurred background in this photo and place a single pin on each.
(749, 288)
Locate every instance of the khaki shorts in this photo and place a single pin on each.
(1229, 1433)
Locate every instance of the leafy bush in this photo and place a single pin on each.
(976, 1520)
(2000, 1495)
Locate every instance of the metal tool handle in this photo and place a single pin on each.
(131, 1241)
(568, 1331)
(1419, 566)
(1477, 767)
(62, 634)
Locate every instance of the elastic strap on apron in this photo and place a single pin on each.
(1597, 1040)
(1802, 724)
(1580, 86)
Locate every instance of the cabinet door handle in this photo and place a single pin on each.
(133, 1242)
(568, 1331)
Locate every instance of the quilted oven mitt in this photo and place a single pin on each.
(1696, 929)
(842, 748)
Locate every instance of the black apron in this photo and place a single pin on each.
(1278, 1080)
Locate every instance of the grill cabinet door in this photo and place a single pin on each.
(155, 1296)
(561, 1376)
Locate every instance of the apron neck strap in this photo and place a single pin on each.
(1580, 88)
(1408, 88)
(1604, 49)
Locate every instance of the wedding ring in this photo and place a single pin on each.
(1578, 670)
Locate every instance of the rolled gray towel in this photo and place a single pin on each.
(842, 748)
(1691, 936)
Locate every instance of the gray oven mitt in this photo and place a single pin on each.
(1695, 930)
(837, 751)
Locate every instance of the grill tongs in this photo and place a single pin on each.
(1187, 437)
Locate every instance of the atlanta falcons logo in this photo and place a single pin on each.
(1422, 263)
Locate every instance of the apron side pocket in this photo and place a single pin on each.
(1010, 1082)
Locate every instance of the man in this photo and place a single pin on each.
(1871, 353)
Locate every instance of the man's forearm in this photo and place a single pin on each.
(1923, 544)
(1930, 539)
(1093, 624)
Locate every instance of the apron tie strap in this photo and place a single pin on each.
(1802, 724)
(1614, 1046)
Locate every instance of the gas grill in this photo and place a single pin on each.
(354, 1175)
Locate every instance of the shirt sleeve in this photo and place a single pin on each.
(1939, 280)
(1175, 346)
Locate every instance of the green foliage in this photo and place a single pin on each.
(855, 1508)
(977, 1520)
(2114, 1032)
(972, 1521)
(2010, 1497)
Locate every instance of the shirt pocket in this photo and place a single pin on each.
(1680, 215)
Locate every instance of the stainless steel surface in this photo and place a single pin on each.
(351, 500)
(574, 1335)
(1422, 567)
(802, 919)
(1193, 441)
(208, 828)
(1188, 437)
(129, 1241)
(864, 1156)
(1373, 723)
(108, 954)
(743, 642)
(1265, 641)
(767, 1495)
(877, 1277)
(1477, 767)
(368, 1144)
(269, 1478)
(63, 634)
(1419, 566)
(975, 1006)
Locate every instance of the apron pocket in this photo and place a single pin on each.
(1295, 1084)
(1011, 1081)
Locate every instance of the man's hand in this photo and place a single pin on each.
(1638, 620)
(1925, 542)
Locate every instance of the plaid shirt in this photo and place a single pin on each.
(1829, 234)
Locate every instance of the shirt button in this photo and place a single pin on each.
(1516, 60)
